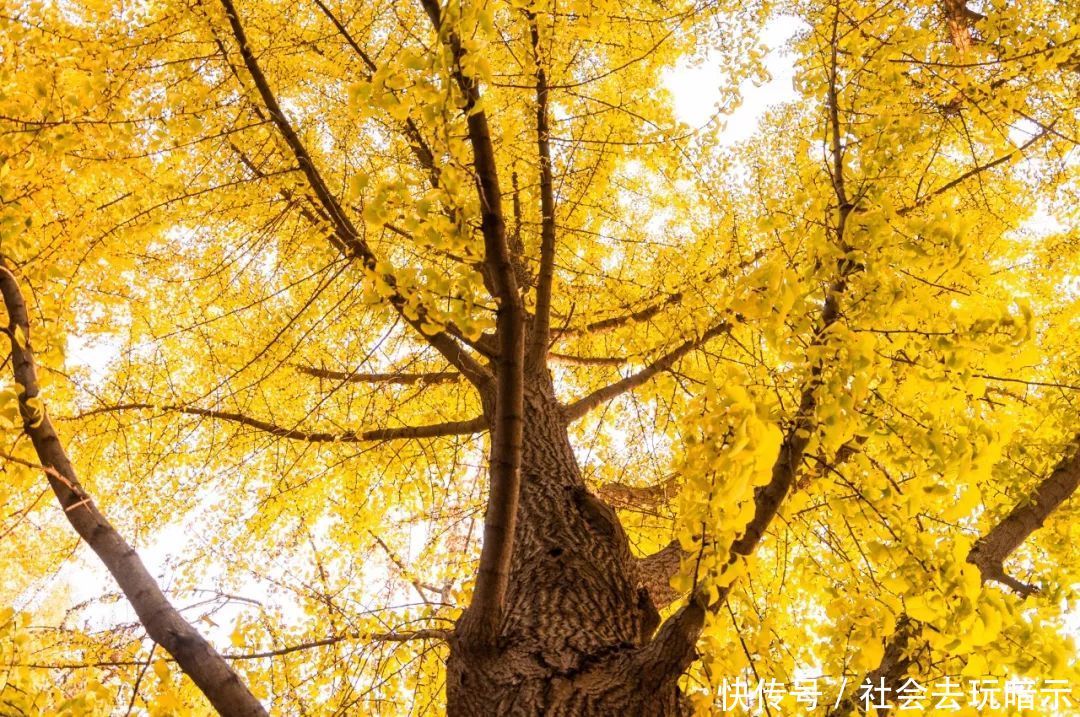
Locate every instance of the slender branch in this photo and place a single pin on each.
(404, 570)
(263, 654)
(682, 629)
(163, 622)
(405, 379)
(517, 246)
(346, 237)
(836, 146)
(1044, 384)
(976, 170)
(139, 679)
(434, 430)
(988, 377)
(583, 405)
(603, 326)
(372, 637)
(480, 624)
(539, 338)
(587, 360)
(419, 146)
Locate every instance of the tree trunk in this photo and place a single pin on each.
(575, 620)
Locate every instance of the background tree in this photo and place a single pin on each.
(451, 369)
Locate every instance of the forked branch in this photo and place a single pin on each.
(988, 554)
(345, 235)
(583, 405)
(682, 629)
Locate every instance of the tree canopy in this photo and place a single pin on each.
(409, 358)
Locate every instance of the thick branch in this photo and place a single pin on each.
(164, 624)
(434, 430)
(623, 495)
(539, 337)
(988, 554)
(579, 408)
(667, 653)
(959, 19)
(990, 551)
(346, 237)
(480, 623)
(655, 571)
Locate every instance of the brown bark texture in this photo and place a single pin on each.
(576, 631)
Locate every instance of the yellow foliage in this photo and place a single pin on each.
(892, 252)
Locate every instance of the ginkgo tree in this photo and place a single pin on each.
(438, 366)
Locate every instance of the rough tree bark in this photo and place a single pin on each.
(576, 623)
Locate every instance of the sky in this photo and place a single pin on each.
(696, 91)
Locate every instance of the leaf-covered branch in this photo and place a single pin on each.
(654, 308)
(683, 628)
(988, 554)
(345, 234)
(419, 146)
(975, 171)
